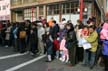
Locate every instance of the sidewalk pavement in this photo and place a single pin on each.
(57, 65)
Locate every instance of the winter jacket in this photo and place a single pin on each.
(93, 40)
(62, 45)
(33, 36)
(104, 38)
(71, 36)
(61, 33)
(54, 30)
(105, 47)
(41, 32)
(56, 44)
(104, 32)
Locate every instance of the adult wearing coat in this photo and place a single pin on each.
(91, 53)
(71, 43)
(33, 39)
(104, 38)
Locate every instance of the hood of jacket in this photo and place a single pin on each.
(105, 26)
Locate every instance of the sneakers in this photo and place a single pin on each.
(60, 59)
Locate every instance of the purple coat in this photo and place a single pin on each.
(62, 33)
(105, 47)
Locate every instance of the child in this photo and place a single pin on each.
(56, 46)
(64, 50)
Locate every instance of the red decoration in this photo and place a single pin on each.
(32, 13)
(81, 9)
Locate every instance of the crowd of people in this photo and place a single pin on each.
(62, 41)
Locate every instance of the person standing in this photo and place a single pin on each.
(91, 53)
(104, 38)
(71, 42)
(50, 22)
(49, 46)
(64, 50)
(22, 37)
(56, 46)
(27, 28)
(7, 38)
(80, 50)
(41, 32)
(15, 37)
(33, 40)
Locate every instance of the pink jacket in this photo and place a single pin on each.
(104, 32)
(62, 45)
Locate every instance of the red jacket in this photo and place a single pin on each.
(56, 45)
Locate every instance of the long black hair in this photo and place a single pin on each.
(71, 27)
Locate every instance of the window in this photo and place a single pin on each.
(69, 8)
(65, 8)
(53, 9)
(29, 14)
(4, 7)
(41, 10)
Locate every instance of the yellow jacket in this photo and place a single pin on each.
(93, 40)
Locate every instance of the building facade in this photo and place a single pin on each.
(4, 10)
(58, 9)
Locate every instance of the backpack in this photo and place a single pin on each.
(22, 34)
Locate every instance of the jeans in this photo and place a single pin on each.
(49, 50)
(89, 57)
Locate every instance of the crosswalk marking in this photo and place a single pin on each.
(25, 63)
(10, 56)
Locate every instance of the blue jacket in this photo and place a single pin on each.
(105, 47)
